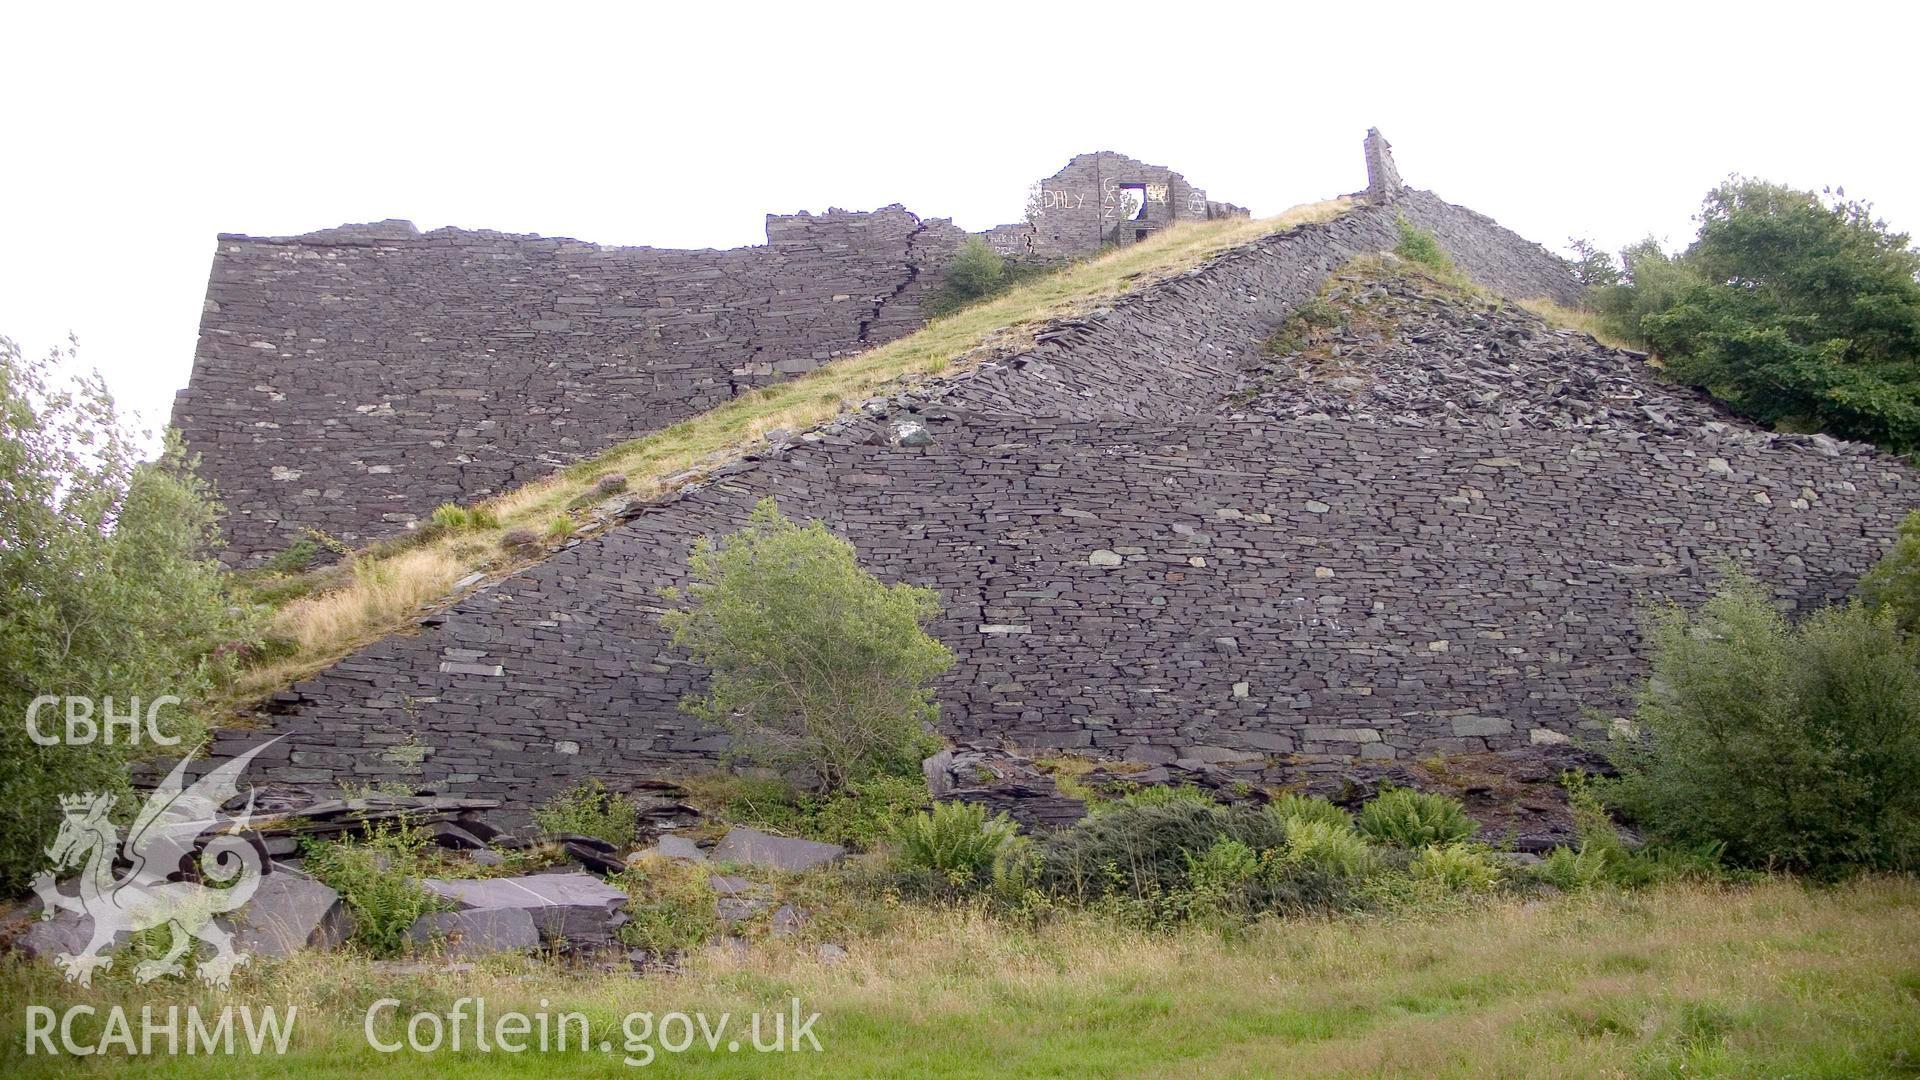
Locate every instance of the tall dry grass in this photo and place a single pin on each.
(1576, 319)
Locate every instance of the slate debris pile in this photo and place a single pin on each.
(1004, 782)
(1515, 794)
(1407, 352)
(567, 908)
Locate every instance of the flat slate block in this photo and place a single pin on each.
(755, 848)
(679, 847)
(287, 913)
(45, 939)
(476, 932)
(576, 908)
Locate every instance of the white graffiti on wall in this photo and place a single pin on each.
(1118, 201)
(1049, 199)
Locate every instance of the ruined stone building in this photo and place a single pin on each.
(1161, 533)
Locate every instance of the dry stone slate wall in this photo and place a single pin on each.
(1134, 566)
(350, 380)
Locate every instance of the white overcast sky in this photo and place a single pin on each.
(132, 136)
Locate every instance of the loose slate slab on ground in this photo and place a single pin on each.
(289, 912)
(573, 910)
(752, 847)
(476, 931)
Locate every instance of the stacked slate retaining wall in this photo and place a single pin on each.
(1130, 573)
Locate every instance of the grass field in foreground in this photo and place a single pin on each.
(1774, 979)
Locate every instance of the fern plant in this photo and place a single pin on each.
(1413, 819)
(954, 840)
(1332, 848)
(1294, 807)
(1455, 868)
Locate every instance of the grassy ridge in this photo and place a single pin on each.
(328, 614)
(1773, 979)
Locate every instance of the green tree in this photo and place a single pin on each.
(1799, 310)
(1794, 745)
(815, 662)
(107, 590)
(1592, 266)
(1893, 585)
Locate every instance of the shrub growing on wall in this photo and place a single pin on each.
(815, 662)
(1419, 246)
(1893, 585)
(106, 590)
(1794, 745)
(975, 273)
(589, 809)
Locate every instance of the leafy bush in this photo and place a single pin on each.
(294, 558)
(1413, 819)
(1289, 806)
(955, 840)
(975, 272)
(865, 812)
(1593, 267)
(815, 663)
(1142, 851)
(378, 877)
(671, 905)
(109, 591)
(859, 815)
(1417, 245)
(1794, 745)
(1219, 879)
(1650, 283)
(1331, 847)
(1600, 856)
(1797, 309)
(589, 809)
(1893, 584)
(1454, 868)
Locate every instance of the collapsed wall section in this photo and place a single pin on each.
(349, 380)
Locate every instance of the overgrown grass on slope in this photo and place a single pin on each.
(1577, 319)
(386, 586)
(1775, 979)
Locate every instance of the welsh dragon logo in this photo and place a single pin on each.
(160, 843)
